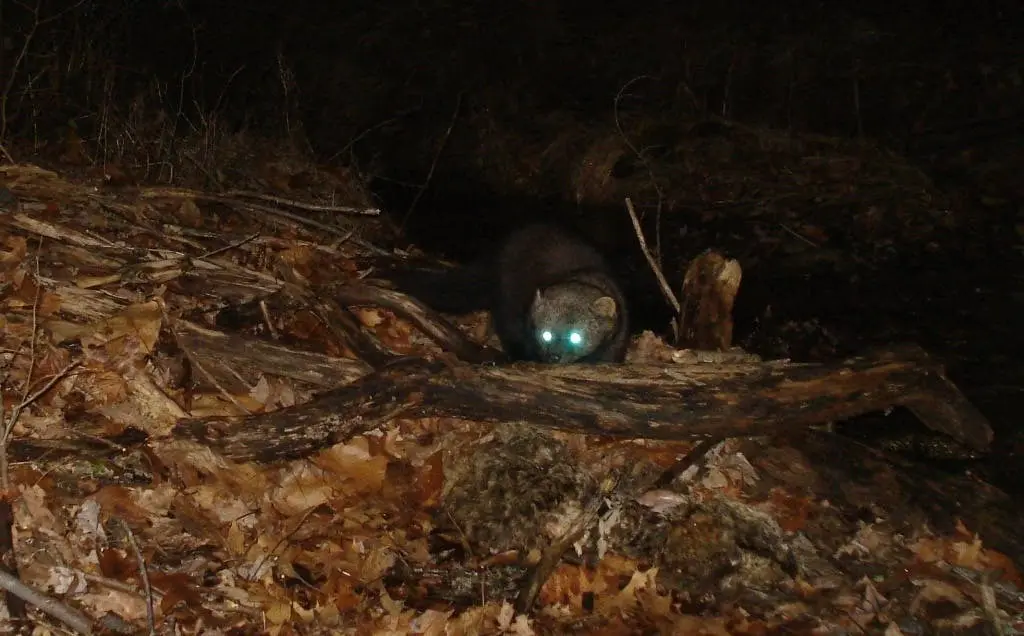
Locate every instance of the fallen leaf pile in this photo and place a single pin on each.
(113, 309)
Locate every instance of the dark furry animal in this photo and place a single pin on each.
(551, 296)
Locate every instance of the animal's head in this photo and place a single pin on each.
(572, 320)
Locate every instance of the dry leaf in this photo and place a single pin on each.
(352, 462)
(368, 317)
(934, 591)
(119, 502)
(430, 480)
(303, 486)
(131, 607)
(188, 213)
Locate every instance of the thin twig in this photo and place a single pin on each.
(114, 584)
(249, 207)
(372, 128)
(234, 195)
(144, 575)
(284, 214)
(213, 380)
(433, 164)
(856, 100)
(229, 247)
(727, 89)
(227, 82)
(35, 325)
(37, 22)
(157, 594)
(302, 205)
(267, 320)
(286, 76)
(665, 289)
(16, 413)
(301, 522)
(60, 14)
(8, 561)
(6, 94)
(799, 236)
(642, 157)
(66, 614)
(574, 528)
(5, 435)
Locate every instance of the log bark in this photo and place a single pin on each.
(233, 360)
(682, 402)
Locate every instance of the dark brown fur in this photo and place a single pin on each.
(543, 279)
(551, 281)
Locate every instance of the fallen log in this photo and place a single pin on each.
(678, 402)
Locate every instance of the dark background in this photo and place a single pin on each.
(417, 98)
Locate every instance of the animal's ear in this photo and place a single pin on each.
(605, 307)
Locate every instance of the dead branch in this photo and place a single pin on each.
(227, 197)
(433, 164)
(432, 324)
(143, 575)
(230, 358)
(338, 320)
(8, 562)
(666, 289)
(643, 401)
(644, 159)
(302, 205)
(71, 617)
(57, 232)
(575, 527)
(237, 202)
(456, 583)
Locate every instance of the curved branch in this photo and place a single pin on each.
(431, 323)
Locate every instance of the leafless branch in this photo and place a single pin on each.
(66, 614)
(144, 575)
(665, 288)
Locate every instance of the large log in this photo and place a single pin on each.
(683, 402)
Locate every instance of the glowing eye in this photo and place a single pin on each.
(575, 338)
(546, 336)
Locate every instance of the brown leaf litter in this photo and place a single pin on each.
(121, 300)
